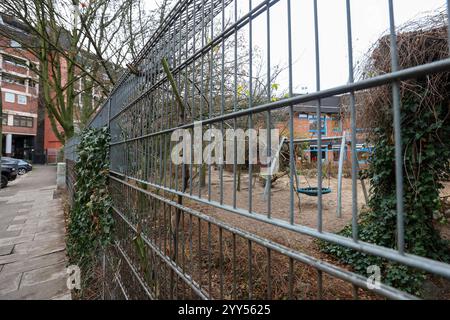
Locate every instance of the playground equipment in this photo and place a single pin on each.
(311, 191)
(274, 162)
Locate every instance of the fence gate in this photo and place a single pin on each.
(197, 230)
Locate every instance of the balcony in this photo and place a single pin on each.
(14, 86)
(14, 68)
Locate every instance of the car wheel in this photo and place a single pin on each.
(21, 171)
(4, 181)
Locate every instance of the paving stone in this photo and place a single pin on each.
(5, 250)
(45, 274)
(32, 239)
(31, 230)
(15, 227)
(9, 282)
(18, 221)
(9, 234)
(37, 248)
(52, 235)
(44, 220)
(47, 228)
(21, 217)
(42, 291)
(33, 263)
(16, 240)
(10, 258)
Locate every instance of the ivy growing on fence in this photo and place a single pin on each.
(90, 220)
(426, 155)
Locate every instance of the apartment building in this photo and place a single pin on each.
(27, 129)
(20, 92)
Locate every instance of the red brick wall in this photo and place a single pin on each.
(20, 130)
(30, 107)
(5, 45)
(302, 126)
(50, 139)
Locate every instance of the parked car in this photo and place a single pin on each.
(9, 173)
(22, 165)
(10, 162)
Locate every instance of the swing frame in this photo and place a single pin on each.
(314, 191)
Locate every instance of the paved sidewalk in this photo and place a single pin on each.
(32, 244)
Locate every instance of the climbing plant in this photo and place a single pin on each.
(90, 220)
(425, 123)
(425, 165)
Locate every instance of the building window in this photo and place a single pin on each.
(21, 99)
(336, 124)
(25, 122)
(315, 154)
(15, 44)
(313, 124)
(15, 61)
(12, 79)
(4, 119)
(10, 97)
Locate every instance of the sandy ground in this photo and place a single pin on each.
(306, 284)
(305, 210)
(280, 199)
(307, 216)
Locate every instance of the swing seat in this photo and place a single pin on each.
(313, 192)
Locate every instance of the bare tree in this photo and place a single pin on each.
(82, 48)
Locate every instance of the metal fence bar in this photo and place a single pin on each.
(250, 105)
(319, 120)
(397, 133)
(353, 124)
(292, 170)
(252, 238)
(166, 259)
(414, 261)
(404, 74)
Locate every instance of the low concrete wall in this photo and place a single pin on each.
(61, 175)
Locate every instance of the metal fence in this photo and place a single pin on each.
(205, 231)
(71, 157)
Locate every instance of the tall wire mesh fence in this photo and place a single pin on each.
(212, 231)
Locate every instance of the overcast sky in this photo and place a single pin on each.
(369, 20)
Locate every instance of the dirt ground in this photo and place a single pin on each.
(307, 215)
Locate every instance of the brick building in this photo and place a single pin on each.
(333, 125)
(20, 95)
(27, 129)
